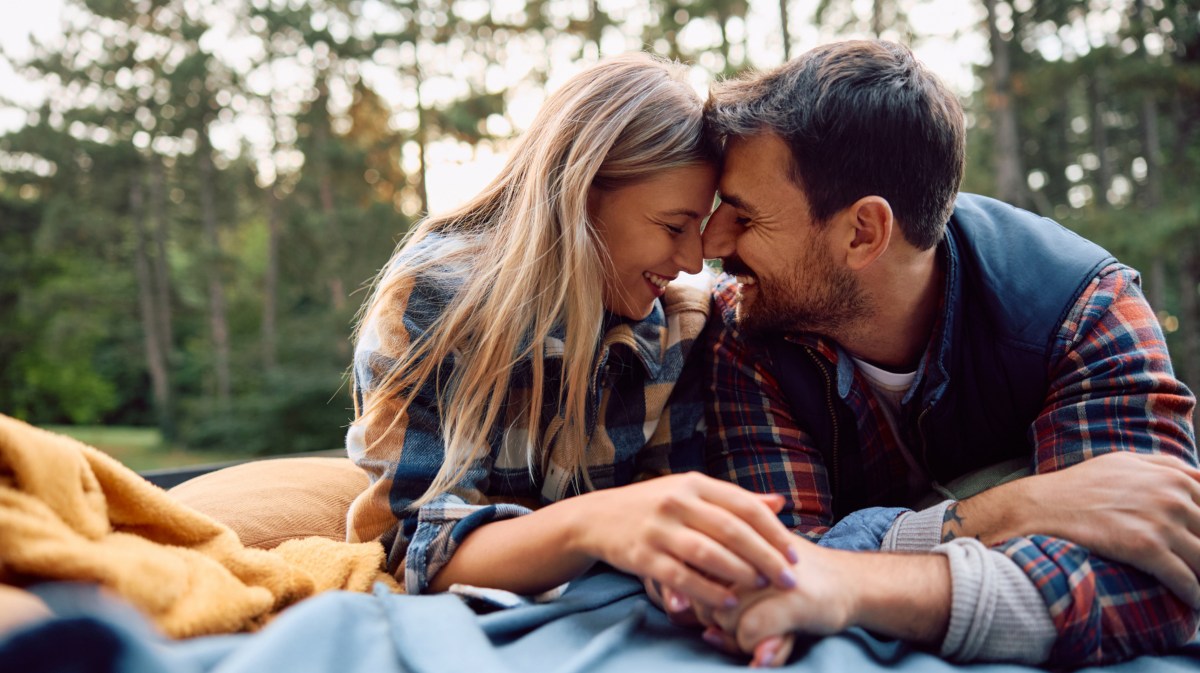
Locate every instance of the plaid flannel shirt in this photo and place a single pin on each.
(642, 425)
(1111, 389)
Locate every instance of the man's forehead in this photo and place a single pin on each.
(757, 155)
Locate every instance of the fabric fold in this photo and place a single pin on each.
(71, 512)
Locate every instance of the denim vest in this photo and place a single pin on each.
(1011, 279)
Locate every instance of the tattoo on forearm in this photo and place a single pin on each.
(952, 523)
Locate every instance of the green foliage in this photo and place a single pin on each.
(1108, 138)
(294, 411)
(120, 220)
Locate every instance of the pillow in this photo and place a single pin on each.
(268, 502)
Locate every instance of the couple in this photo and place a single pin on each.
(534, 394)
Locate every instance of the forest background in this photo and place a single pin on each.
(194, 193)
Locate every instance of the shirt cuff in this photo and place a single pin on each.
(861, 530)
(916, 531)
(996, 613)
(442, 525)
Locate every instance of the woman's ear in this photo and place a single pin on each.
(873, 223)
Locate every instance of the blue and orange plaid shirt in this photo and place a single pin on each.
(1111, 388)
(647, 422)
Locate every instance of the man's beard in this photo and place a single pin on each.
(817, 297)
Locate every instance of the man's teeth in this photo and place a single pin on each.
(746, 280)
(658, 280)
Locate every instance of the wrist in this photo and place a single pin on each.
(992, 516)
(905, 596)
(848, 603)
(578, 529)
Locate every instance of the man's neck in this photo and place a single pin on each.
(906, 294)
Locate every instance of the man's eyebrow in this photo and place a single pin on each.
(734, 201)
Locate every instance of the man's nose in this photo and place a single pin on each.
(720, 233)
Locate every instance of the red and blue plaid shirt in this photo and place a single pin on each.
(1111, 388)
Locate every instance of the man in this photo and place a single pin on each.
(879, 337)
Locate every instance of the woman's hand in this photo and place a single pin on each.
(696, 536)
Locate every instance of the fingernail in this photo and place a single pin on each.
(792, 554)
(730, 602)
(787, 579)
(761, 582)
(767, 651)
(678, 603)
(712, 636)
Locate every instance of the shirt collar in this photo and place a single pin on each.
(646, 337)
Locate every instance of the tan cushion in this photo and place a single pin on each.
(267, 502)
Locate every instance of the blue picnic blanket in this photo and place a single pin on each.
(603, 623)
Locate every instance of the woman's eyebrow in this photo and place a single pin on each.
(686, 212)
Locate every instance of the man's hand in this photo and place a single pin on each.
(1138, 509)
(697, 536)
(905, 596)
(822, 603)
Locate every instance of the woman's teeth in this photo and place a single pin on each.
(746, 280)
(658, 280)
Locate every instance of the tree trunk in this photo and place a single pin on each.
(1153, 151)
(1096, 99)
(1156, 285)
(1189, 316)
(422, 141)
(1156, 290)
(162, 268)
(217, 319)
(877, 19)
(787, 35)
(1010, 185)
(595, 28)
(156, 360)
(271, 279)
(322, 134)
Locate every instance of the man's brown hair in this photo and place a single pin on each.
(861, 118)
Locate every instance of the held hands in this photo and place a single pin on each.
(697, 537)
(764, 622)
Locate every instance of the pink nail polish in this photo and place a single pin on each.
(678, 603)
(787, 579)
(761, 582)
(713, 638)
(793, 555)
(767, 651)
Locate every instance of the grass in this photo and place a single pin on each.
(141, 448)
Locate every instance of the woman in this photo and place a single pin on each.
(525, 349)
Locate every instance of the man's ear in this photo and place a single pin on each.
(873, 225)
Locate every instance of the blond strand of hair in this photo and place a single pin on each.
(534, 259)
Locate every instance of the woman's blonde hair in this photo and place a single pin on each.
(527, 259)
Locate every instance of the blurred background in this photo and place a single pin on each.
(193, 193)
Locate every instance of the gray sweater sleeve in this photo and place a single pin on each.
(996, 612)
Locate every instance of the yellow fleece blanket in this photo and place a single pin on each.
(70, 512)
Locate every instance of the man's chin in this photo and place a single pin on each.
(741, 312)
(748, 319)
